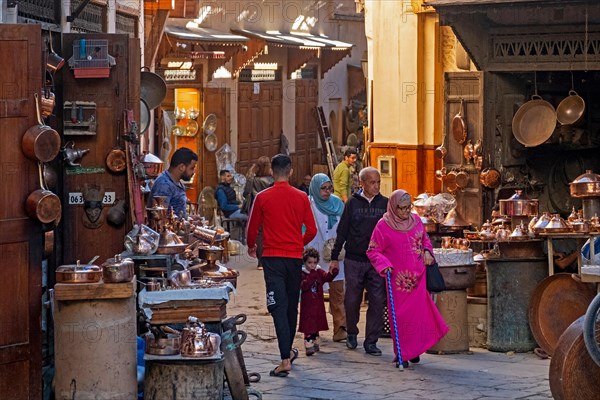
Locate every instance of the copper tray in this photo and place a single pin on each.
(573, 373)
(556, 302)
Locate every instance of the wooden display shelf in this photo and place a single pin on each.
(178, 311)
(94, 291)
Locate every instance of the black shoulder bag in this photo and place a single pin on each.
(435, 280)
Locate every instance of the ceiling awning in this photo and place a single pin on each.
(303, 45)
(195, 42)
(186, 29)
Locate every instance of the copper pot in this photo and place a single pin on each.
(78, 273)
(459, 127)
(48, 101)
(571, 109)
(462, 179)
(518, 205)
(54, 62)
(40, 142)
(440, 152)
(42, 204)
(468, 151)
(117, 270)
(490, 178)
(586, 185)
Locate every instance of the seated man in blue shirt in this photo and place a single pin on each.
(227, 199)
(168, 184)
(567, 261)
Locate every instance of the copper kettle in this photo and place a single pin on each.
(196, 341)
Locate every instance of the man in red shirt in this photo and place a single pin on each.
(281, 211)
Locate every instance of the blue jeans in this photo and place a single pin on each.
(239, 215)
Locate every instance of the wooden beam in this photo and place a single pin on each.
(155, 31)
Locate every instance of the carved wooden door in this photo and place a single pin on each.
(259, 121)
(215, 102)
(465, 87)
(307, 151)
(20, 237)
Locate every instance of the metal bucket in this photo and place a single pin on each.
(510, 287)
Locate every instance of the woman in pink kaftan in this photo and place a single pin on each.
(400, 244)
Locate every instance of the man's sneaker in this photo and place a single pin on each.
(351, 342)
(372, 349)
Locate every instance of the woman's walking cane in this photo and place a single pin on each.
(393, 311)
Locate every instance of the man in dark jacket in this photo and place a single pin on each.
(227, 198)
(361, 213)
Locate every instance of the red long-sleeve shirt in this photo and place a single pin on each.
(281, 210)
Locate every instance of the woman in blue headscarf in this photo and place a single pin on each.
(327, 209)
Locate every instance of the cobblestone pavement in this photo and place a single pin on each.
(339, 373)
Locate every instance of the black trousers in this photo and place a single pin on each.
(282, 281)
(360, 275)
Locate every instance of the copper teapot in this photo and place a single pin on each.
(502, 233)
(196, 341)
(486, 232)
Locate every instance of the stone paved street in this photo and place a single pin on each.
(339, 373)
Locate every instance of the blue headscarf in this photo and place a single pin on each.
(332, 207)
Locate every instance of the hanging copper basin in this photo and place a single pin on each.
(586, 185)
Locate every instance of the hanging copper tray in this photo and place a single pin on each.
(573, 373)
(556, 302)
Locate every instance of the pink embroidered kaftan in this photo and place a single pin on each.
(419, 322)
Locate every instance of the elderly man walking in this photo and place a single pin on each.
(361, 213)
(281, 211)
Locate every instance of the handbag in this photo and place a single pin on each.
(328, 247)
(434, 278)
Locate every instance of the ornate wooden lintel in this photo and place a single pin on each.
(254, 48)
(297, 57)
(215, 63)
(330, 57)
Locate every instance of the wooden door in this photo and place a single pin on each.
(20, 237)
(215, 102)
(259, 121)
(468, 87)
(307, 146)
(111, 97)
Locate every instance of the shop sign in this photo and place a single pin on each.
(178, 75)
(259, 75)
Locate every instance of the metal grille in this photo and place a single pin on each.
(126, 24)
(568, 47)
(90, 19)
(39, 10)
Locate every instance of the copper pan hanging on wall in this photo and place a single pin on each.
(459, 127)
(40, 142)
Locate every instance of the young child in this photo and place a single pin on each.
(312, 304)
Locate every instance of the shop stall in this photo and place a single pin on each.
(521, 131)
